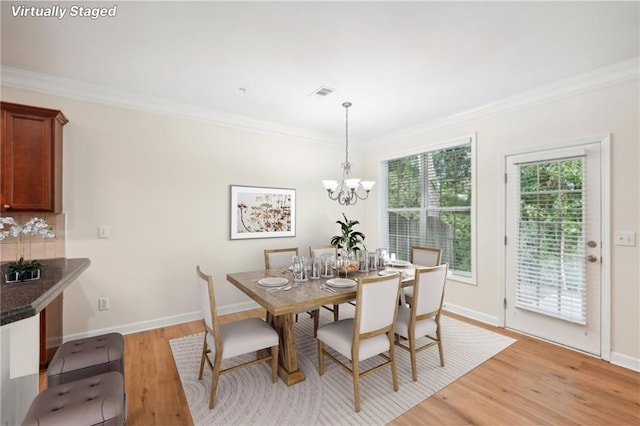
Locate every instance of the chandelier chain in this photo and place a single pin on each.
(346, 106)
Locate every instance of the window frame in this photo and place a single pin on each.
(423, 149)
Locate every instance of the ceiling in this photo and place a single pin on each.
(401, 64)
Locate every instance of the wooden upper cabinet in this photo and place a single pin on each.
(31, 159)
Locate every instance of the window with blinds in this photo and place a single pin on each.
(429, 203)
(550, 271)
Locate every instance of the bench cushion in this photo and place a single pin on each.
(97, 400)
(78, 359)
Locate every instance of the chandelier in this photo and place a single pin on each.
(346, 192)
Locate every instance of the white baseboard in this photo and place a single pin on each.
(468, 313)
(618, 359)
(625, 361)
(621, 360)
(161, 322)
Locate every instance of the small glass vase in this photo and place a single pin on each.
(347, 262)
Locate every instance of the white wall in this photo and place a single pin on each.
(611, 110)
(162, 186)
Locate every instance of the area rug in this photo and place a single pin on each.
(248, 397)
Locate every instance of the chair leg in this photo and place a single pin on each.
(356, 384)
(214, 380)
(274, 364)
(204, 354)
(316, 322)
(394, 372)
(336, 312)
(320, 357)
(440, 350)
(412, 352)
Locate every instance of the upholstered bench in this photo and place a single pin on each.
(97, 400)
(78, 359)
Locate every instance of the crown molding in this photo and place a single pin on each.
(592, 80)
(74, 89)
(599, 78)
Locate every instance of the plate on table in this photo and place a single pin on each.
(387, 272)
(341, 282)
(399, 263)
(273, 281)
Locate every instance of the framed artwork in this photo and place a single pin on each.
(259, 212)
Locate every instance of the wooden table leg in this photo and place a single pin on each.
(287, 356)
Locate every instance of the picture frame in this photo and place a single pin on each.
(262, 212)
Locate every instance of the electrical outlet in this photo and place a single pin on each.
(103, 304)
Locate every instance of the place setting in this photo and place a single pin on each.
(407, 274)
(273, 281)
(274, 284)
(341, 282)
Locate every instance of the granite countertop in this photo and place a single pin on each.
(25, 299)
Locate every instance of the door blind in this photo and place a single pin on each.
(550, 270)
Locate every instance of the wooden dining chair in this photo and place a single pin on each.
(318, 251)
(422, 319)
(422, 256)
(279, 258)
(370, 333)
(232, 339)
(282, 258)
(425, 256)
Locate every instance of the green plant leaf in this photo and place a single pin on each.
(349, 239)
(20, 267)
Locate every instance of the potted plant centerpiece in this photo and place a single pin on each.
(349, 243)
(23, 270)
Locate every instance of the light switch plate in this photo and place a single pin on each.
(625, 238)
(103, 231)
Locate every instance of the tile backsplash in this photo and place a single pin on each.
(41, 248)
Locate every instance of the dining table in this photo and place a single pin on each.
(282, 304)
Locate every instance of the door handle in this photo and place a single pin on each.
(591, 258)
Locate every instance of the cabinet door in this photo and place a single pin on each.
(31, 153)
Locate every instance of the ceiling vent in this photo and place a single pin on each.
(322, 92)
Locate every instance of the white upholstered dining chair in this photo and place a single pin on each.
(318, 251)
(422, 256)
(426, 256)
(422, 318)
(283, 258)
(233, 339)
(279, 258)
(370, 333)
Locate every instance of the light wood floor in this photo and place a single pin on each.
(531, 382)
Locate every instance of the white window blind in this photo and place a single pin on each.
(550, 271)
(429, 203)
